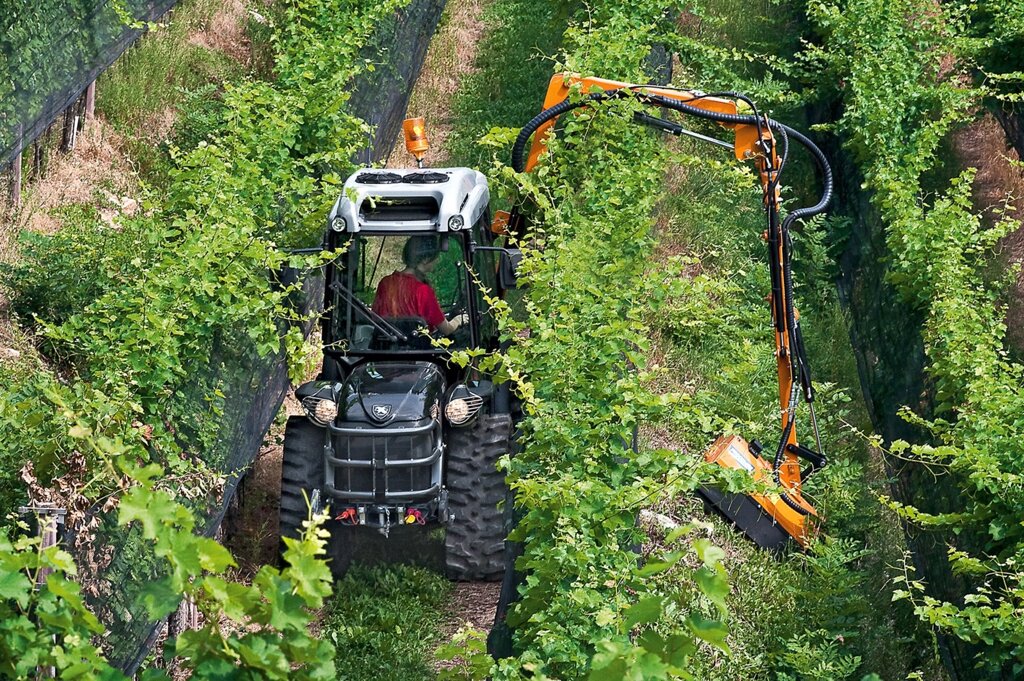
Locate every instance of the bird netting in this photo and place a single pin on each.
(115, 562)
(51, 50)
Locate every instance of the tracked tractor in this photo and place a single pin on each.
(396, 438)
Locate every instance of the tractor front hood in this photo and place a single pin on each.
(382, 393)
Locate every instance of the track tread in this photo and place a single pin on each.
(301, 470)
(475, 540)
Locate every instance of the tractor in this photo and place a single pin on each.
(395, 433)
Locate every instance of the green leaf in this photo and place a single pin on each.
(710, 631)
(14, 585)
(160, 598)
(710, 554)
(714, 586)
(214, 557)
(646, 611)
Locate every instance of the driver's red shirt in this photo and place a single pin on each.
(403, 295)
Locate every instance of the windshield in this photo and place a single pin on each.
(396, 293)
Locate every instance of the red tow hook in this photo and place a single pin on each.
(348, 516)
(414, 515)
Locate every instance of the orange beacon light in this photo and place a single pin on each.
(416, 143)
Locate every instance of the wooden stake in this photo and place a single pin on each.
(16, 182)
(15, 188)
(37, 159)
(90, 101)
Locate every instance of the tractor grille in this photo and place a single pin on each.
(371, 464)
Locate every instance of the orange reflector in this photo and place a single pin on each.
(499, 225)
(416, 143)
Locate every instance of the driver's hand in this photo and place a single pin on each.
(459, 320)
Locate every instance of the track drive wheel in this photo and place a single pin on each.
(475, 540)
(302, 470)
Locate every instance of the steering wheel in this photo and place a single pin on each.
(455, 309)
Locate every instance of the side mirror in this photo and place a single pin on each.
(508, 264)
(508, 267)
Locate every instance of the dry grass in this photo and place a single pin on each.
(97, 162)
(100, 160)
(225, 32)
(97, 172)
(451, 57)
(472, 604)
(100, 171)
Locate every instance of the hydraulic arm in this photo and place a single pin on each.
(769, 518)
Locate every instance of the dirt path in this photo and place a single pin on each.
(450, 59)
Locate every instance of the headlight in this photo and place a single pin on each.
(338, 224)
(321, 411)
(462, 406)
(455, 223)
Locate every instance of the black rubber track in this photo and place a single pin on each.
(302, 469)
(475, 540)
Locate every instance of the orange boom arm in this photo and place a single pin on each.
(561, 85)
(761, 516)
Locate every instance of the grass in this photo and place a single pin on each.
(513, 67)
(162, 75)
(384, 623)
(779, 608)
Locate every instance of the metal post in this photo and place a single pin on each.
(48, 520)
(16, 182)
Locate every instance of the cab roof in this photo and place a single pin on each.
(436, 200)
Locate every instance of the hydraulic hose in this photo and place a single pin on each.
(519, 147)
(822, 163)
(785, 132)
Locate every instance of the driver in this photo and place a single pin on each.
(406, 293)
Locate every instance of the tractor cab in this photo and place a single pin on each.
(378, 304)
